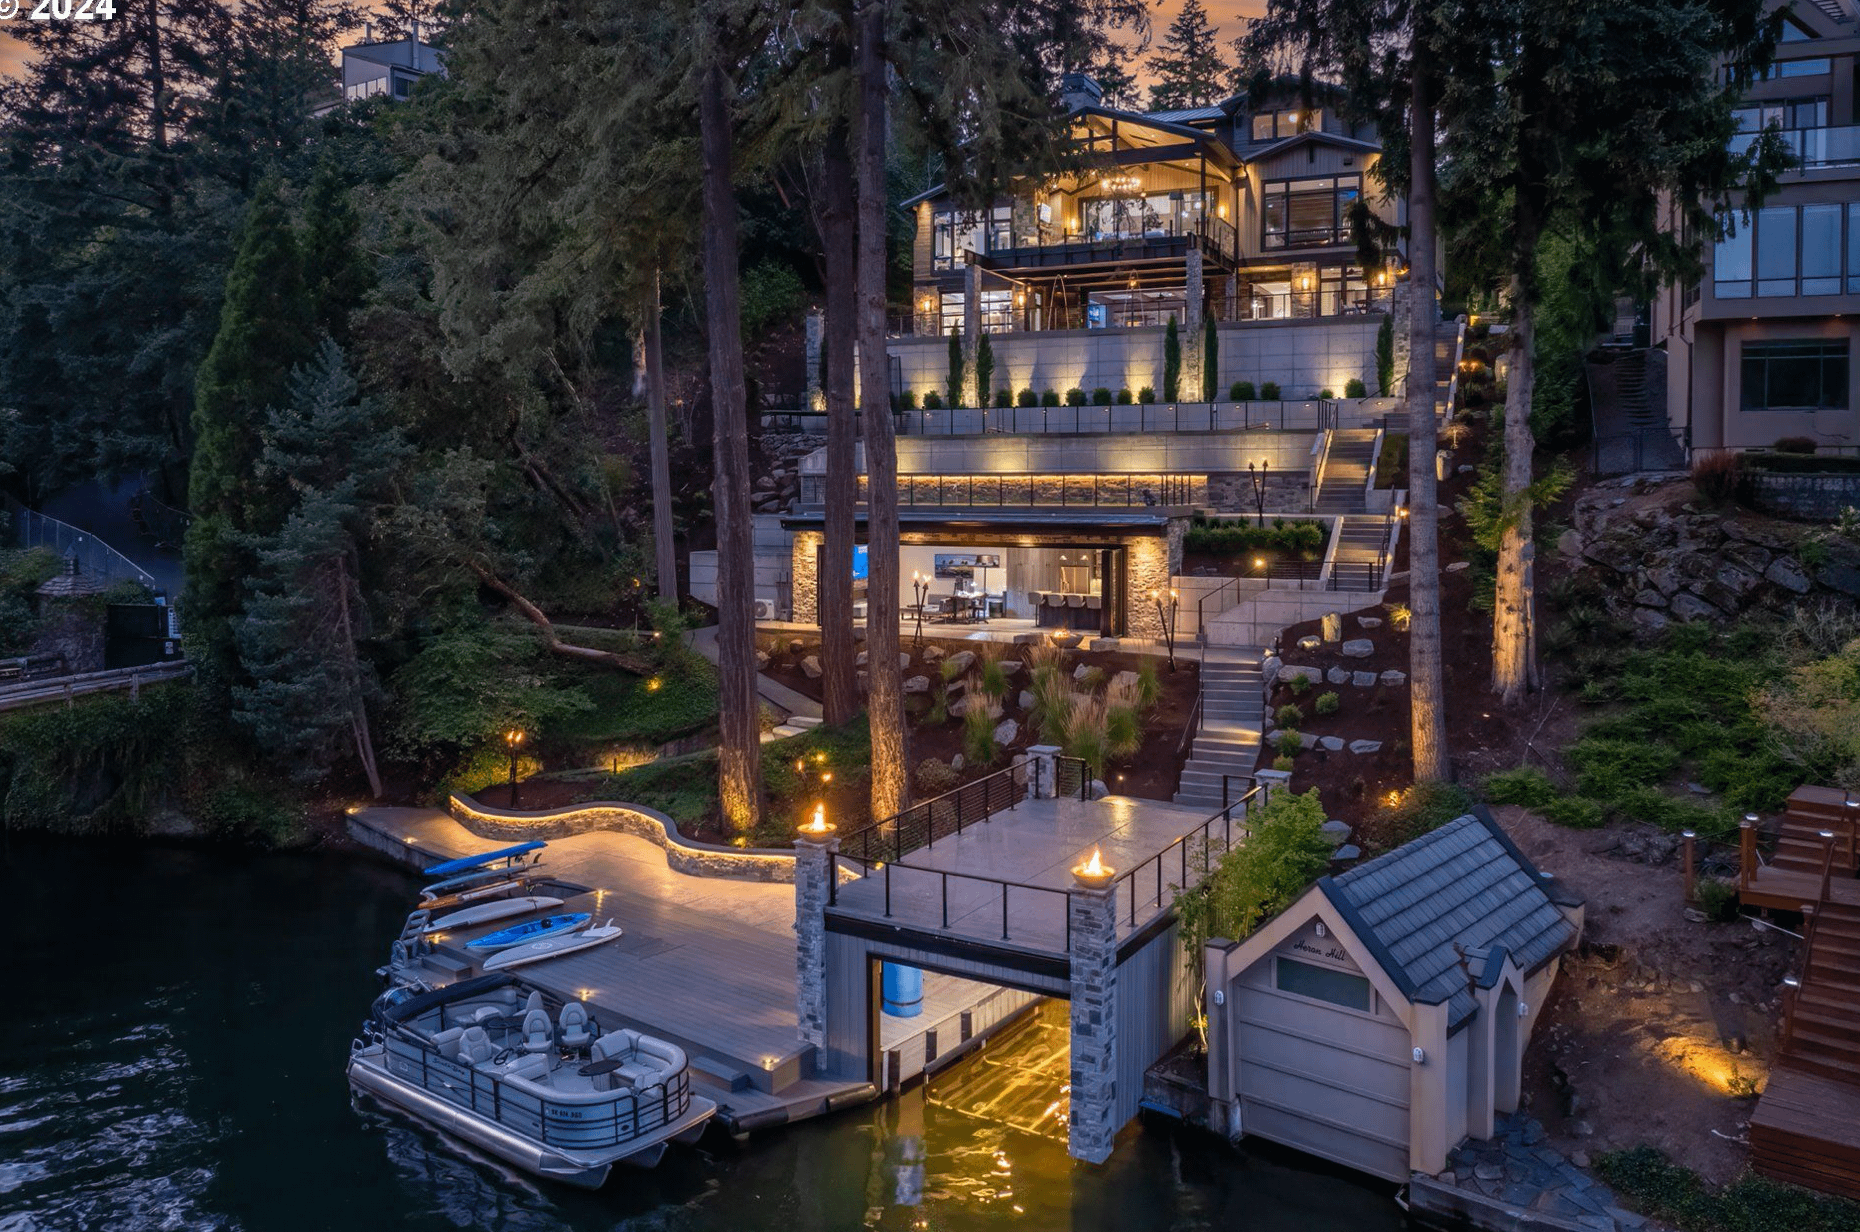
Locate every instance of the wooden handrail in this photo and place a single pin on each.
(1746, 854)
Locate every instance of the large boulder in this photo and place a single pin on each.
(810, 667)
(917, 684)
(1006, 731)
(1787, 572)
(963, 661)
(1689, 607)
(1331, 626)
(1358, 648)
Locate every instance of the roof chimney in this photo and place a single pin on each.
(416, 32)
(1079, 90)
(368, 32)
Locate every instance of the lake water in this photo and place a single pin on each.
(172, 1037)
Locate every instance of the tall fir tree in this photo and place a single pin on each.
(337, 273)
(306, 620)
(266, 322)
(1112, 73)
(1188, 68)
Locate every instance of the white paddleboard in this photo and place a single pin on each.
(484, 913)
(552, 947)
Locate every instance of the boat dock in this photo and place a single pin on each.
(707, 963)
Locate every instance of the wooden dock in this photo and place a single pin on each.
(707, 963)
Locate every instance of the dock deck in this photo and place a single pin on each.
(1007, 878)
(707, 963)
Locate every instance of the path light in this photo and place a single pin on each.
(652, 685)
(819, 830)
(1094, 874)
(513, 740)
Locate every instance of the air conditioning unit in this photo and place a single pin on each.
(765, 609)
(859, 610)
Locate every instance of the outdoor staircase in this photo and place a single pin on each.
(1823, 1036)
(1227, 743)
(1361, 560)
(1446, 351)
(1346, 471)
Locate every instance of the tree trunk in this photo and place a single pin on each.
(885, 706)
(665, 547)
(1514, 661)
(530, 612)
(739, 752)
(352, 673)
(840, 695)
(1426, 689)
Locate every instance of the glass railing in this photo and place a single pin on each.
(1835, 146)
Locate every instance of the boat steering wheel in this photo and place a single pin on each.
(503, 1056)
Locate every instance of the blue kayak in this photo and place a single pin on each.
(531, 930)
(467, 863)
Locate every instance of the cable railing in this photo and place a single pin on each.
(32, 530)
(1195, 852)
(1139, 418)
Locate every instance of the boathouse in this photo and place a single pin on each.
(1382, 1017)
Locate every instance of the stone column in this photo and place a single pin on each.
(1270, 781)
(1401, 308)
(971, 330)
(1093, 1122)
(813, 872)
(1191, 329)
(1043, 771)
(816, 399)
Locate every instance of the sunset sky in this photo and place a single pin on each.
(1223, 12)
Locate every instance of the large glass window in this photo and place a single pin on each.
(954, 232)
(1304, 213)
(1853, 249)
(1271, 125)
(1730, 263)
(1322, 983)
(1138, 215)
(1776, 250)
(1796, 375)
(1821, 250)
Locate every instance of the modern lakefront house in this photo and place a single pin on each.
(1760, 349)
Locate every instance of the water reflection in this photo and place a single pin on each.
(186, 1073)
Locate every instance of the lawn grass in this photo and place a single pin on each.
(1666, 1191)
(1392, 462)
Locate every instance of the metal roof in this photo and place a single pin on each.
(1451, 897)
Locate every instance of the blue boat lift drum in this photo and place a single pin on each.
(902, 990)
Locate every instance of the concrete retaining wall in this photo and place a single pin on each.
(1302, 357)
(681, 854)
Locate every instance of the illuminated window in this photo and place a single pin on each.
(1321, 984)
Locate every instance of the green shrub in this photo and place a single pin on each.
(1124, 397)
(1301, 537)
(1242, 391)
(1285, 852)
(771, 293)
(1101, 396)
(978, 734)
(1004, 398)
(1290, 716)
(1718, 899)
(1299, 684)
(1327, 703)
(1607, 768)
(994, 679)
(1409, 814)
(1269, 392)
(1674, 1195)
(933, 401)
(1291, 742)
(1123, 731)
(1354, 388)
(907, 401)
(1149, 684)
(1075, 396)
(1028, 398)
(1050, 398)
(935, 777)
(1655, 807)
(1326, 394)
(1283, 763)
(1576, 812)
(1146, 395)
(1527, 786)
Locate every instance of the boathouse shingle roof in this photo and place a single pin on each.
(1438, 909)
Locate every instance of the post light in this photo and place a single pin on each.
(513, 740)
(1168, 604)
(1258, 478)
(818, 829)
(920, 591)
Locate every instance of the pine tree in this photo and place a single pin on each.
(305, 621)
(1188, 70)
(337, 273)
(1172, 360)
(1117, 82)
(984, 371)
(265, 328)
(956, 365)
(1210, 359)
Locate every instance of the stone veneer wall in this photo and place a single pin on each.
(1091, 1127)
(1285, 491)
(1151, 562)
(681, 854)
(806, 600)
(1817, 498)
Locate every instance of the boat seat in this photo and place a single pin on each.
(478, 1015)
(534, 1003)
(574, 1024)
(615, 1044)
(475, 1046)
(538, 1035)
(533, 1066)
(447, 1042)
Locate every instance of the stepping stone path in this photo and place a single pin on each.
(1394, 677)
(1026, 700)
(1369, 622)
(1358, 648)
(1332, 744)
(1363, 680)
(1337, 675)
(1365, 746)
(1514, 1167)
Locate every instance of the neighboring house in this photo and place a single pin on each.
(1382, 1017)
(1763, 347)
(1242, 212)
(391, 68)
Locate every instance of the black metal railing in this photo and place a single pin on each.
(944, 816)
(1644, 449)
(630, 1115)
(1035, 927)
(1193, 854)
(1029, 490)
(1139, 418)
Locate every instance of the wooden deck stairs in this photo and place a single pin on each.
(1806, 1128)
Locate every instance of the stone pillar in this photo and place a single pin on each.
(804, 578)
(813, 872)
(971, 331)
(1191, 329)
(1270, 781)
(816, 399)
(1093, 1122)
(1401, 308)
(1043, 770)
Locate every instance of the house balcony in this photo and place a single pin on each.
(1147, 309)
(1813, 148)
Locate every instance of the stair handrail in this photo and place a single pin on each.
(1201, 601)
(1320, 451)
(1811, 914)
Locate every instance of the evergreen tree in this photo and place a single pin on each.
(1116, 80)
(1210, 359)
(984, 371)
(337, 273)
(265, 329)
(1188, 69)
(954, 383)
(1385, 356)
(306, 619)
